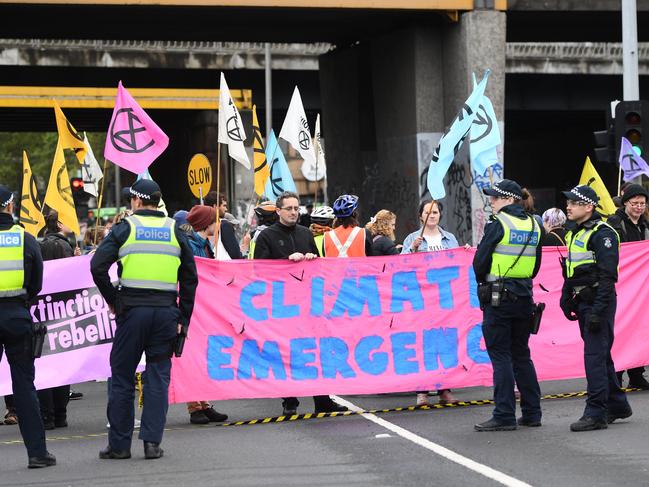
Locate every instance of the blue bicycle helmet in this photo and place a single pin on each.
(345, 205)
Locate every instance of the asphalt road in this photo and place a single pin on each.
(433, 447)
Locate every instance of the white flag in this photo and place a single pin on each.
(91, 171)
(317, 171)
(231, 127)
(295, 130)
(220, 253)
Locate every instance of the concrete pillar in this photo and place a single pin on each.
(475, 43)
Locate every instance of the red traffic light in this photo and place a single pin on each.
(633, 118)
(76, 184)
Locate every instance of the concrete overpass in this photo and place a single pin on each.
(389, 80)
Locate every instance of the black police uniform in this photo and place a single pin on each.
(589, 297)
(146, 322)
(506, 329)
(16, 331)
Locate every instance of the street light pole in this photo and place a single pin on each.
(630, 50)
(269, 90)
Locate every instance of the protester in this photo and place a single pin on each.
(322, 219)
(55, 245)
(347, 239)
(554, 221)
(18, 287)
(203, 221)
(381, 228)
(431, 237)
(152, 304)
(528, 205)
(588, 296)
(266, 214)
(89, 245)
(506, 260)
(227, 234)
(632, 226)
(285, 239)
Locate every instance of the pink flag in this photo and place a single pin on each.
(133, 141)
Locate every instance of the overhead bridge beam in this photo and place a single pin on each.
(89, 97)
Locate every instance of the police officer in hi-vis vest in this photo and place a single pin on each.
(21, 279)
(588, 296)
(153, 303)
(507, 258)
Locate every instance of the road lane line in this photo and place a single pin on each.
(444, 452)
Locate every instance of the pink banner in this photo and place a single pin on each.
(133, 141)
(331, 326)
(372, 325)
(80, 327)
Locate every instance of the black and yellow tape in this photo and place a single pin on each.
(300, 417)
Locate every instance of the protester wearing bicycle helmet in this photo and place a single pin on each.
(322, 219)
(347, 239)
(266, 215)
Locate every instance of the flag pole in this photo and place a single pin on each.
(101, 197)
(619, 180)
(217, 229)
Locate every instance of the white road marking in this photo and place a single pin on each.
(444, 452)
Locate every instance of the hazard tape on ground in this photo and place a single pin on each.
(301, 417)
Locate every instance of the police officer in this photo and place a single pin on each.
(21, 279)
(154, 261)
(588, 296)
(507, 259)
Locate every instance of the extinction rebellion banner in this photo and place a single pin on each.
(331, 326)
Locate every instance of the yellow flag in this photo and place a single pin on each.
(69, 138)
(30, 207)
(262, 171)
(590, 177)
(59, 194)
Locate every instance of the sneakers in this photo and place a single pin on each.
(530, 423)
(612, 416)
(198, 417)
(214, 416)
(48, 460)
(446, 398)
(422, 399)
(494, 425)
(152, 450)
(74, 395)
(587, 423)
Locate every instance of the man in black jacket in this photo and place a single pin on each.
(632, 226)
(286, 239)
(55, 245)
(19, 285)
(154, 261)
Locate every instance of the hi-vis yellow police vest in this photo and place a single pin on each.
(577, 243)
(319, 242)
(12, 264)
(150, 256)
(516, 234)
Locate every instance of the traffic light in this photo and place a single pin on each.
(632, 123)
(605, 145)
(76, 184)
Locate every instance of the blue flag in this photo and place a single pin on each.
(485, 136)
(280, 179)
(631, 163)
(452, 140)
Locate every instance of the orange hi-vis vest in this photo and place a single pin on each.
(345, 242)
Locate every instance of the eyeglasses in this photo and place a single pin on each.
(637, 205)
(291, 208)
(576, 203)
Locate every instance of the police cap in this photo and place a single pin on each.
(582, 193)
(6, 196)
(144, 189)
(505, 188)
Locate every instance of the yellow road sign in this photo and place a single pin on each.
(199, 175)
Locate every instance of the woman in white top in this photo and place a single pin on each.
(433, 239)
